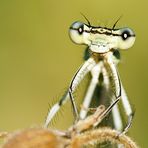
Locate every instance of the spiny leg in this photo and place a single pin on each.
(111, 67)
(118, 90)
(117, 118)
(87, 65)
(117, 121)
(115, 110)
(55, 109)
(114, 73)
(79, 75)
(111, 107)
(95, 72)
(127, 108)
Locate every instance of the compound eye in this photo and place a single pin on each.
(125, 34)
(78, 26)
(76, 32)
(126, 39)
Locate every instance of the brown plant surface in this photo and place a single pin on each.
(78, 135)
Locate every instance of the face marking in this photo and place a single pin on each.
(99, 30)
(101, 39)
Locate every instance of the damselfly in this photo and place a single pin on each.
(102, 56)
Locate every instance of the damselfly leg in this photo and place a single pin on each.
(79, 76)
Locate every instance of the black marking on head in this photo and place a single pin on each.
(108, 31)
(95, 31)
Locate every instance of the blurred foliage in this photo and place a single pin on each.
(38, 60)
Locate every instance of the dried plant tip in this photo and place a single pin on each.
(90, 121)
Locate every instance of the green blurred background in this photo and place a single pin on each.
(38, 60)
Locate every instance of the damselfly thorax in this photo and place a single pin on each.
(102, 44)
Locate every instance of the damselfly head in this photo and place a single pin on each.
(101, 39)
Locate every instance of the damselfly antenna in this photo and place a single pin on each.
(116, 22)
(89, 24)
